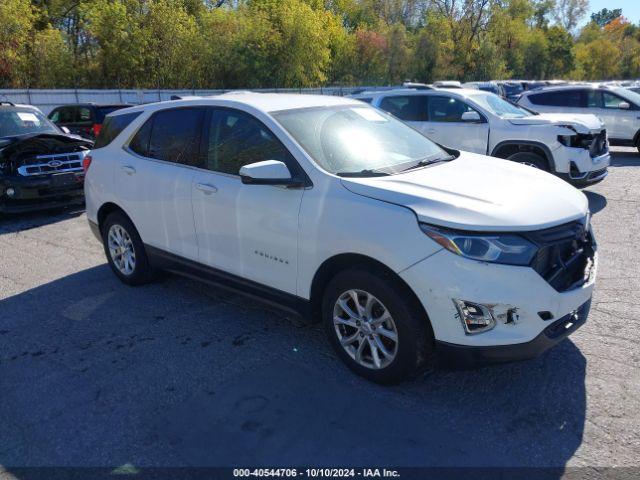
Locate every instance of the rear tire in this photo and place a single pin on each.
(530, 159)
(125, 251)
(386, 319)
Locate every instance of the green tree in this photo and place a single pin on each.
(16, 19)
(560, 57)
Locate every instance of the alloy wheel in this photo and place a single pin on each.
(365, 329)
(121, 249)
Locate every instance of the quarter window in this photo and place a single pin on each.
(237, 139)
(84, 114)
(112, 128)
(409, 108)
(447, 109)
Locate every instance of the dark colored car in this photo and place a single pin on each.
(84, 119)
(41, 166)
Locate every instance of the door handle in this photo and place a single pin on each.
(128, 169)
(206, 188)
(431, 130)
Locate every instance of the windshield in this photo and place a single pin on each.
(512, 88)
(354, 139)
(499, 107)
(630, 95)
(23, 121)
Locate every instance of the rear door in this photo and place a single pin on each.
(154, 179)
(447, 127)
(246, 230)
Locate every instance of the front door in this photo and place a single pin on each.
(246, 230)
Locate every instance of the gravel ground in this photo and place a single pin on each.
(94, 373)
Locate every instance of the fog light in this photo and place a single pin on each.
(475, 318)
(10, 192)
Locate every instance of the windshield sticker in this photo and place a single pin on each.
(28, 117)
(369, 114)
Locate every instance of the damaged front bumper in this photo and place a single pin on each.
(20, 194)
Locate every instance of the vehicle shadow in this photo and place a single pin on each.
(180, 374)
(625, 159)
(597, 202)
(19, 222)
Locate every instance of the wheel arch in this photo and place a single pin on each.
(106, 209)
(345, 261)
(509, 147)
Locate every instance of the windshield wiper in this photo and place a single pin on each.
(425, 162)
(364, 173)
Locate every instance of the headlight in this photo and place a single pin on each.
(505, 248)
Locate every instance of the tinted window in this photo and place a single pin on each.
(237, 139)
(67, 115)
(112, 128)
(594, 99)
(105, 110)
(140, 142)
(562, 98)
(410, 108)
(447, 109)
(611, 101)
(175, 135)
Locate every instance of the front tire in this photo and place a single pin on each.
(376, 326)
(125, 251)
(530, 159)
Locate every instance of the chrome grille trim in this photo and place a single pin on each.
(53, 163)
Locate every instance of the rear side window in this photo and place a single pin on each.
(112, 128)
(172, 135)
(84, 114)
(563, 98)
(410, 108)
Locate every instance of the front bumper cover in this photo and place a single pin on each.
(549, 337)
(40, 192)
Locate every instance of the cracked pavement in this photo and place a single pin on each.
(95, 373)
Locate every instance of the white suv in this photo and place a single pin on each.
(574, 147)
(335, 209)
(617, 107)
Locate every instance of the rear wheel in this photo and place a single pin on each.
(125, 250)
(378, 331)
(530, 159)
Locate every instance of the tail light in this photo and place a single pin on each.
(86, 163)
(95, 128)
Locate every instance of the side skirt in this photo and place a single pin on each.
(227, 281)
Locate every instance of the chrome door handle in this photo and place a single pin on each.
(206, 188)
(128, 169)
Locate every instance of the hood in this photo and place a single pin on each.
(479, 193)
(16, 149)
(581, 122)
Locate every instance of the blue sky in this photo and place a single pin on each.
(630, 8)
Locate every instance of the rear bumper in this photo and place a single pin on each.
(549, 337)
(24, 194)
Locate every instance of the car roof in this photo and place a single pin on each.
(10, 105)
(265, 102)
(460, 92)
(560, 88)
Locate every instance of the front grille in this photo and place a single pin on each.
(45, 164)
(565, 257)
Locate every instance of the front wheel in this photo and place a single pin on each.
(125, 251)
(530, 159)
(375, 326)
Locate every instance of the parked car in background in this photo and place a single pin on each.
(493, 87)
(84, 119)
(617, 107)
(512, 90)
(41, 166)
(573, 147)
(447, 84)
(400, 246)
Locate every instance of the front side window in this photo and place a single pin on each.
(24, 121)
(357, 140)
(172, 135)
(237, 139)
(409, 108)
(447, 109)
(611, 101)
(67, 115)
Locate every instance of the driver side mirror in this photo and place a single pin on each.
(65, 130)
(268, 172)
(624, 106)
(471, 116)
